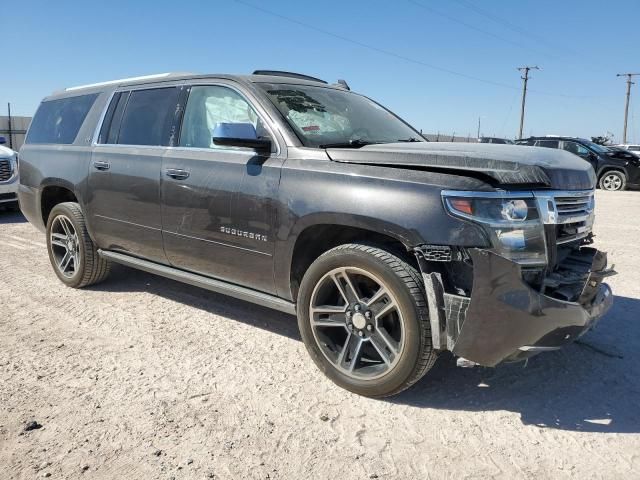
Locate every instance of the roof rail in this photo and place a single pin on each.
(122, 80)
(278, 73)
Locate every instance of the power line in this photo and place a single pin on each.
(374, 48)
(511, 26)
(506, 118)
(478, 29)
(395, 55)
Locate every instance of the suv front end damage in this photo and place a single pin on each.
(538, 291)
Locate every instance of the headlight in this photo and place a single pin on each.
(511, 221)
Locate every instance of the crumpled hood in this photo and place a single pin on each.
(502, 164)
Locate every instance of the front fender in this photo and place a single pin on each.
(402, 204)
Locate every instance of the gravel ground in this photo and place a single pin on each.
(142, 377)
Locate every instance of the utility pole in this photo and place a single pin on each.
(9, 125)
(478, 128)
(626, 105)
(524, 93)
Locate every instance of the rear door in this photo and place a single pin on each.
(219, 202)
(124, 179)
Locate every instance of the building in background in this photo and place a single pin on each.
(14, 130)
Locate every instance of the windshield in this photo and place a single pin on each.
(596, 148)
(323, 117)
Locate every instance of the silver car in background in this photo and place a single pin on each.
(8, 178)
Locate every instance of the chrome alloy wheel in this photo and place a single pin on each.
(612, 182)
(65, 246)
(357, 323)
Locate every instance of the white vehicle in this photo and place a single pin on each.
(8, 177)
(630, 147)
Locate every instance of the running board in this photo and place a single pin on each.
(201, 281)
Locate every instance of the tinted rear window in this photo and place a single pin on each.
(58, 121)
(148, 117)
(548, 143)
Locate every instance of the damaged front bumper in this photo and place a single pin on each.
(505, 319)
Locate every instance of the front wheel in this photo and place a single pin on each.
(73, 255)
(363, 317)
(613, 181)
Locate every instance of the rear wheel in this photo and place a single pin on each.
(613, 181)
(362, 314)
(72, 253)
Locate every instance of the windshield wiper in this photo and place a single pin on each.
(356, 143)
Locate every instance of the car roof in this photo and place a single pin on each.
(554, 137)
(270, 76)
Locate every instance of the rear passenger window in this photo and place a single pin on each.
(548, 143)
(59, 121)
(147, 118)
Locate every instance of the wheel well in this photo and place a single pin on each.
(316, 240)
(52, 196)
(611, 169)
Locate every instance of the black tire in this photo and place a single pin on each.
(91, 268)
(405, 284)
(613, 181)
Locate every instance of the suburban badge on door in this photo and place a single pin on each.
(243, 233)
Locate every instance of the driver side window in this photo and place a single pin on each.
(210, 106)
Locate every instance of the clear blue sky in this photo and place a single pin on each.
(384, 49)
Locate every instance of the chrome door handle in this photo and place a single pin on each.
(101, 165)
(177, 173)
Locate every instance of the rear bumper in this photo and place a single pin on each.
(505, 319)
(29, 199)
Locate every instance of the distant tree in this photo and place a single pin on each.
(604, 139)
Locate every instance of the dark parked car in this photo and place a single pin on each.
(305, 197)
(502, 141)
(614, 171)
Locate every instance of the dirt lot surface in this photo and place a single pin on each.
(145, 378)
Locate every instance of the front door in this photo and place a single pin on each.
(124, 211)
(582, 151)
(218, 202)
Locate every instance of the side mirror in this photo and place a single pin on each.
(240, 135)
(3, 140)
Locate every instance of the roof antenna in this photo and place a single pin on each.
(343, 84)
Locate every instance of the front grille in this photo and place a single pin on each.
(5, 170)
(573, 206)
(574, 216)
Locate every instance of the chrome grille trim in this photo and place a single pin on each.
(557, 207)
(6, 169)
(571, 211)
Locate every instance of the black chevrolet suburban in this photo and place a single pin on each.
(295, 194)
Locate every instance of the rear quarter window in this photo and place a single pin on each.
(59, 121)
(548, 143)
